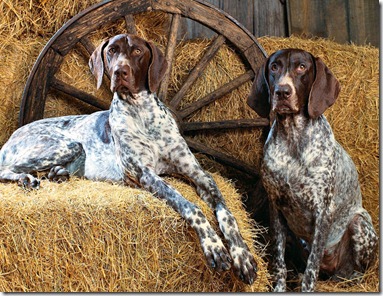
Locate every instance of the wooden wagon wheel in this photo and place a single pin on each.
(42, 78)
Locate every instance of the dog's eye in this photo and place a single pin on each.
(111, 50)
(301, 67)
(274, 67)
(137, 51)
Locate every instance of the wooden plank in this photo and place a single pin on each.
(37, 86)
(194, 30)
(269, 18)
(209, 17)
(224, 124)
(336, 20)
(307, 17)
(342, 20)
(260, 17)
(364, 21)
(241, 10)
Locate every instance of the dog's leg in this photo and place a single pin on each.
(364, 241)
(355, 252)
(244, 264)
(321, 230)
(20, 160)
(278, 264)
(23, 179)
(213, 248)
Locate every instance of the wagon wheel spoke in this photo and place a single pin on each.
(78, 94)
(130, 24)
(197, 70)
(223, 158)
(224, 125)
(215, 95)
(169, 55)
(88, 45)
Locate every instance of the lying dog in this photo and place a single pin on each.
(136, 140)
(311, 181)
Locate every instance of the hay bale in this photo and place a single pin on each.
(16, 61)
(20, 18)
(95, 236)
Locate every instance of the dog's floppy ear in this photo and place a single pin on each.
(157, 67)
(259, 97)
(324, 90)
(96, 62)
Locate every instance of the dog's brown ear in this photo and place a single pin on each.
(259, 97)
(96, 62)
(324, 90)
(157, 67)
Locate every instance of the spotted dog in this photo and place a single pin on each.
(311, 181)
(135, 141)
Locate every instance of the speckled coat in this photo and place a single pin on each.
(311, 181)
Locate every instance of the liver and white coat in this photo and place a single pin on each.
(311, 181)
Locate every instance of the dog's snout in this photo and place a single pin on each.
(283, 91)
(122, 72)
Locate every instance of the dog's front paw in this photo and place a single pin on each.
(29, 182)
(280, 287)
(308, 281)
(58, 174)
(244, 264)
(216, 254)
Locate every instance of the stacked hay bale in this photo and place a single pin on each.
(85, 256)
(94, 236)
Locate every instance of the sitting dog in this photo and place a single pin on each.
(311, 182)
(136, 140)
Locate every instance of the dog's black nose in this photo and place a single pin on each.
(283, 91)
(122, 72)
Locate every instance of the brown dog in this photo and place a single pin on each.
(311, 181)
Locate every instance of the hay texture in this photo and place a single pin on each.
(95, 236)
(25, 29)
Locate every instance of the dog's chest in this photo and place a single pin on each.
(147, 130)
(296, 174)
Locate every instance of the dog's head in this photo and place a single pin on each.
(133, 63)
(292, 81)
